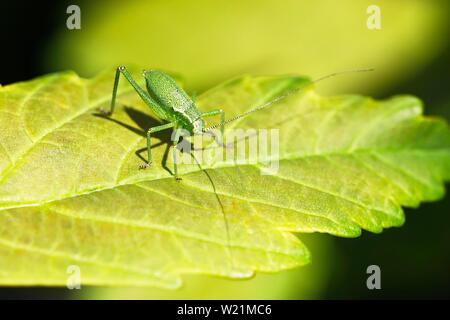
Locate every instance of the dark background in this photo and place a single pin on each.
(420, 248)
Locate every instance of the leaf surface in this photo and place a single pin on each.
(71, 192)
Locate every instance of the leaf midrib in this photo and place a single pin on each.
(172, 231)
(291, 156)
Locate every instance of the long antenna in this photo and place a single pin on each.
(225, 221)
(289, 93)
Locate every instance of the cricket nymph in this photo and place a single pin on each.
(170, 103)
(173, 105)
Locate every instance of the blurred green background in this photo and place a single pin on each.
(207, 42)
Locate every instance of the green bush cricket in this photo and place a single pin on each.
(173, 105)
(170, 103)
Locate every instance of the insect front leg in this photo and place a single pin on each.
(221, 123)
(149, 141)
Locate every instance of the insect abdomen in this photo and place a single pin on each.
(170, 96)
(166, 91)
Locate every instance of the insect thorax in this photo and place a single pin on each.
(191, 121)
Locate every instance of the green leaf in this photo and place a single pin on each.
(299, 283)
(71, 192)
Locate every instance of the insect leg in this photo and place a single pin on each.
(139, 90)
(149, 140)
(113, 99)
(175, 166)
(222, 119)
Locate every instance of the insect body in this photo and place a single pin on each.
(173, 105)
(170, 103)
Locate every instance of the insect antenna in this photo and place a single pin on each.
(225, 221)
(287, 94)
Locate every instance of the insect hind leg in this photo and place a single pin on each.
(141, 92)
